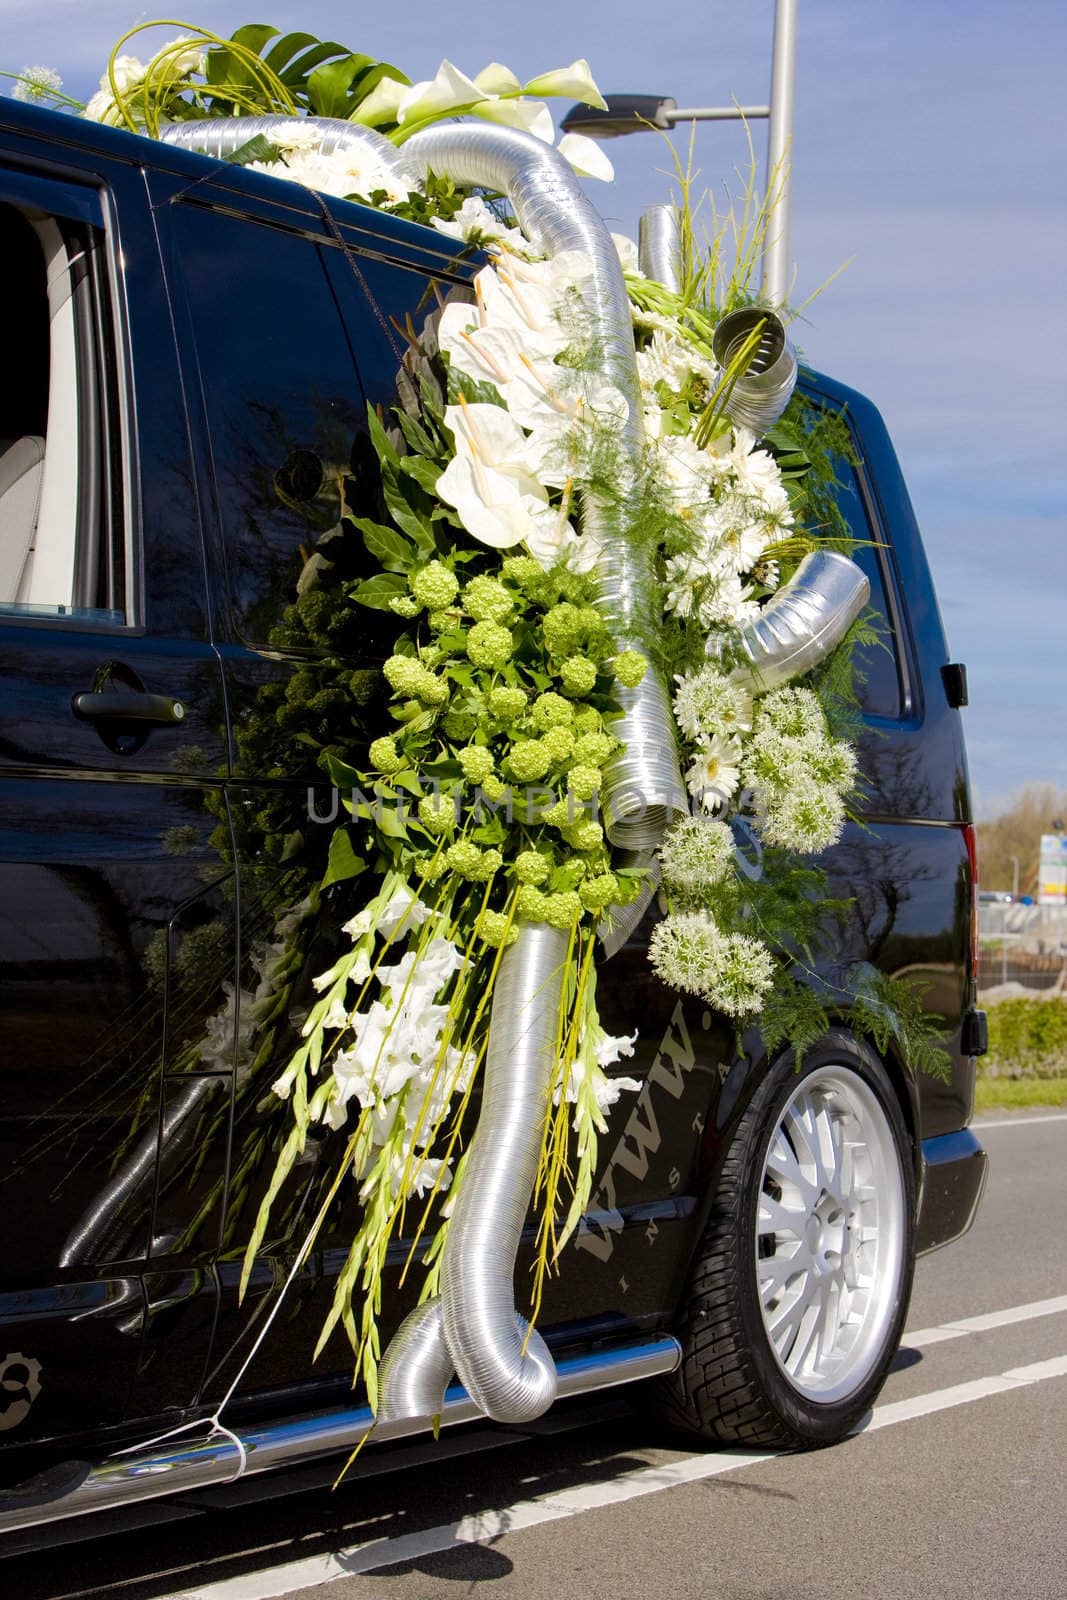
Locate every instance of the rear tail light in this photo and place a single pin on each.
(970, 838)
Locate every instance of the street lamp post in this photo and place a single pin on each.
(636, 113)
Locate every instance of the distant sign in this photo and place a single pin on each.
(1052, 870)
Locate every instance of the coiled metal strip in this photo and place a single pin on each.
(759, 397)
(659, 246)
(804, 621)
(221, 136)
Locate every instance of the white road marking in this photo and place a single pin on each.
(1019, 1122)
(314, 1571)
(916, 1339)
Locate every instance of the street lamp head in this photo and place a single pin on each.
(626, 113)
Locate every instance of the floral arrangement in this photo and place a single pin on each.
(478, 809)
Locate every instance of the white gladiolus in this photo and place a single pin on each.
(576, 82)
(586, 156)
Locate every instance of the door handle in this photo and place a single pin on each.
(128, 705)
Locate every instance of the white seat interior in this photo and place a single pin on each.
(21, 478)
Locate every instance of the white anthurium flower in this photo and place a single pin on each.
(586, 156)
(449, 90)
(488, 481)
(532, 116)
(497, 79)
(575, 81)
(626, 251)
(526, 308)
(488, 355)
(543, 395)
(382, 104)
(715, 772)
(552, 539)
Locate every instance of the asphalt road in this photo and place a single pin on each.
(955, 1488)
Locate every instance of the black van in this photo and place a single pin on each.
(191, 351)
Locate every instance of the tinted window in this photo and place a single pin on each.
(285, 408)
(877, 666)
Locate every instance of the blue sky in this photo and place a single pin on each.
(931, 147)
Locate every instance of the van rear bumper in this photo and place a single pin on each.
(954, 1170)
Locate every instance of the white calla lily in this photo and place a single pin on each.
(532, 116)
(382, 104)
(447, 91)
(575, 81)
(586, 157)
(497, 79)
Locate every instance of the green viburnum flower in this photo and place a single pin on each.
(593, 749)
(486, 600)
(559, 815)
(630, 667)
(531, 867)
(409, 677)
(584, 781)
(530, 903)
(696, 854)
(682, 951)
(440, 621)
(559, 742)
(708, 702)
(578, 674)
(459, 724)
(597, 893)
(562, 629)
(584, 834)
(561, 910)
(434, 586)
(463, 858)
(405, 605)
(523, 570)
(384, 755)
(432, 867)
(587, 719)
(493, 788)
(529, 760)
(506, 702)
(494, 930)
(490, 645)
(476, 763)
(742, 975)
(551, 710)
(437, 814)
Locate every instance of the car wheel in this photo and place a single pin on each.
(798, 1294)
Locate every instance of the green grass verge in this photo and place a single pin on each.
(995, 1093)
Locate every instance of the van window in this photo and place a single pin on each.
(284, 406)
(62, 550)
(877, 666)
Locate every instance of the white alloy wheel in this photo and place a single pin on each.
(830, 1234)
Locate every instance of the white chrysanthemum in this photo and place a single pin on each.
(682, 950)
(671, 360)
(708, 703)
(756, 471)
(714, 773)
(806, 819)
(695, 855)
(742, 975)
(357, 171)
(474, 220)
(37, 83)
(740, 532)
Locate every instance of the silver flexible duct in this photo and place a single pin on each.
(659, 246)
(759, 397)
(482, 1329)
(643, 789)
(416, 1368)
(222, 136)
(804, 621)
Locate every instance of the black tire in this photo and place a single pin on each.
(731, 1385)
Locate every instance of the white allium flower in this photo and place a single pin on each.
(37, 83)
(834, 762)
(708, 702)
(695, 855)
(792, 711)
(806, 819)
(714, 772)
(682, 950)
(742, 975)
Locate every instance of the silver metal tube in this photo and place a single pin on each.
(776, 272)
(181, 1466)
(659, 246)
(762, 393)
(715, 113)
(643, 790)
(503, 1364)
(416, 1368)
(222, 136)
(804, 621)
